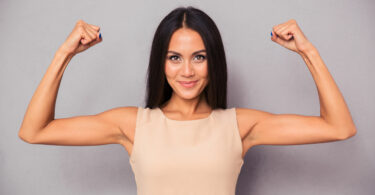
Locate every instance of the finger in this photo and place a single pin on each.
(90, 31)
(286, 34)
(93, 32)
(86, 37)
(273, 35)
(97, 38)
(276, 31)
(280, 29)
(95, 42)
(277, 39)
(277, 28)
(96, 28)
(84, 40)
(278, 36)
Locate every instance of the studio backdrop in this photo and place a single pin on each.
(261, 75)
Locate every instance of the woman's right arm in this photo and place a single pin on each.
(39, 125)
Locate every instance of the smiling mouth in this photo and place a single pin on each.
(188, 84)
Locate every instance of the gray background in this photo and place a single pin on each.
(261, 75)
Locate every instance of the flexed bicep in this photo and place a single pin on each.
(290, 129)
(104, 128)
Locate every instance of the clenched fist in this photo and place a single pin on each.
(290, 36)
(82, 37)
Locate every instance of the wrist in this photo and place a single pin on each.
(308, 49)
(64, 52)
(61, 56)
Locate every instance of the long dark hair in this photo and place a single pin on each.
(158, 89)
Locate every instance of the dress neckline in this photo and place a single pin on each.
(185, 121)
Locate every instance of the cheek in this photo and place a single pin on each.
(203, 70)
(169, 70)
(205, 74)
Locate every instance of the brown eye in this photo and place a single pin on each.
(201, 57)
(173, 58)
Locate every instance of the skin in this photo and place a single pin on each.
(117, 125)
(184, 64)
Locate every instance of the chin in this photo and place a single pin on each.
(188, 96)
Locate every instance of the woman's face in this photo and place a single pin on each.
(186, 64)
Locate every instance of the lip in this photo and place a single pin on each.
(188, 84)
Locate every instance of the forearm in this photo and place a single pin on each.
(41, 109)
(333, 108)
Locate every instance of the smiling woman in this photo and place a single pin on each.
(186, 140)
(187, 46)
(188, 75)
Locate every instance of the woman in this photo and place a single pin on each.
(186, 140)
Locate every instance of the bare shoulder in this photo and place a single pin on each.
(247, 118)
(126, 117)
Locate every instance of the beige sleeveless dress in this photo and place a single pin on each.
(193, 157)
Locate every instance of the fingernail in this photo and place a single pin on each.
(100, 35)
(271, 33)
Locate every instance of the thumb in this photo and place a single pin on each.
(277, 39)
(98, 39)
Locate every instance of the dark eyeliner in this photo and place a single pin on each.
(170, 57)
(203, 56)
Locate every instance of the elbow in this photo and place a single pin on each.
(349, 133)
(25, 138)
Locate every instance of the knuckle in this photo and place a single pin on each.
(79, 24)
(80, 29)
(94, 26)
(91, 37)
(82, 23)
(83, 34)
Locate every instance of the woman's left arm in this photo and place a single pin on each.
(333, 108)
(283, 129)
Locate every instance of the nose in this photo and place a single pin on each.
(187, 69)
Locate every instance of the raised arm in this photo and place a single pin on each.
(39, 124)
(334, 123)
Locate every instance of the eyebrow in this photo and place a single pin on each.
(202, 50)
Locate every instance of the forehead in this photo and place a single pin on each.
(186, 40)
